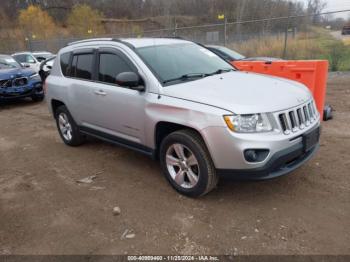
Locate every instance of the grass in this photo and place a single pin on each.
(318, 43)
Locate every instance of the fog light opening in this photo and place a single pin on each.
(256, 155)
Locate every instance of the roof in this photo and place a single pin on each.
(29, 52)
(21, 53)
(135, 42)
(41, 52)
(145, 42)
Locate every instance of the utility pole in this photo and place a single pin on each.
(225, 30)
(175, 27)
(286, 32)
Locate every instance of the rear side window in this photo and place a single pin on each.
(110, 66)
(64, 58)
(82, 66)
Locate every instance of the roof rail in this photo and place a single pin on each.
(173, 37)
(90, 40)
(102, 39)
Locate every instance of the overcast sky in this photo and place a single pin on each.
(335, 5)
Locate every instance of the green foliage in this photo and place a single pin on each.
(137, 31)
(36, 23)
(335, 54)
(85, 21)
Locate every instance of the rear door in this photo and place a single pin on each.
(81, 74)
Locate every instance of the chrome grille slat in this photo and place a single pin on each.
(311, 110)
(297, 118)
(293, 120)
(301, 118)
(307, 116)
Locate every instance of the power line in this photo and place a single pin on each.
(290, 17)
(266, 19)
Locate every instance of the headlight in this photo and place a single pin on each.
(34, 76)
(255, 123)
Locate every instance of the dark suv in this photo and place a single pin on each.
(346, 30)
(18, 82)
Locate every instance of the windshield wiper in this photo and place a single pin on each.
(198, 75)
(186, 77)
(221, 71)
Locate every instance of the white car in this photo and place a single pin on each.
(32, 59)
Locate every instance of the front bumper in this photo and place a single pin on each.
(286, 152)
(32, 89)
(282, 163)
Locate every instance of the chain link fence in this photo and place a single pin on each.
(224, 34)
(290, 37)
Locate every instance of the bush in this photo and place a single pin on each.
(273, 47)
(36, 23)
(85, 21)
(336, 53)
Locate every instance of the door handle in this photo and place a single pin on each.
(100, 93)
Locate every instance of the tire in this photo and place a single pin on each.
(38, 98)
(327, 113)
(67, 128)
(200, 177)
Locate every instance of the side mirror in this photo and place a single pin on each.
(26, 65)
(131, 80)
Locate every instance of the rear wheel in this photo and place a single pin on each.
(67, 128)
(187, 164)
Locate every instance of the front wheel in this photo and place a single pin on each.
(187, 164)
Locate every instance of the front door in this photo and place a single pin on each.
(117, 110)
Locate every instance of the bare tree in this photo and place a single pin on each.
(316, 7)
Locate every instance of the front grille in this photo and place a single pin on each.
(5, 83)
(21, 81)
(298, 118)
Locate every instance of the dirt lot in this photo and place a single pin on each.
(43, 210)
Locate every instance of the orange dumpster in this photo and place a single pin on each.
(313, 74)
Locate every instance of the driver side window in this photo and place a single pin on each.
(110, 66)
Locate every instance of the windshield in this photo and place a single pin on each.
(8, 62)
(182, 62)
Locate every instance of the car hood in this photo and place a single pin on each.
(242, 93)
(262, 58)
(15, 72)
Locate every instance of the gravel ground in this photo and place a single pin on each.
(45, 211)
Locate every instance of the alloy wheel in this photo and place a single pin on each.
(65, 126)
(182, 165)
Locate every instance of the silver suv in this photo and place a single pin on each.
(178, 102)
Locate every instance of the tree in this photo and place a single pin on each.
(5, 21)
(36, 23)
(316, 7)
(85, 21)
